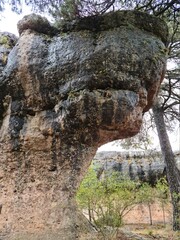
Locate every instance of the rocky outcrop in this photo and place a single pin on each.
(63, 93)
(7, 42)
(144, 166)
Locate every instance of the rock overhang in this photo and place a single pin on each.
(126, 21)
(117, 61)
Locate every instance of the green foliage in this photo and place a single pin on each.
(146, 194)
(89, 191)
(4, 40)
(163, 194)
(106, 199)
(162, 190)
(109, 199)
(69, 10)
(110, 218)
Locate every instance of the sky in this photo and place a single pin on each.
(8, 22)
(9, 19)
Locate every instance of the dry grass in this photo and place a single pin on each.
(158, 231)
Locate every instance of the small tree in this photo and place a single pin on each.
(107, 200)
(162, 195)
(146, 195)
(89, 193)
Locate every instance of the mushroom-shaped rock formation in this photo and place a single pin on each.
(63, 93)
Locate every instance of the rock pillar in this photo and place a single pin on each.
(63, 93)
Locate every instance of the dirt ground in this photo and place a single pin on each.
(147, 232)
(137, 224)
(141, 214)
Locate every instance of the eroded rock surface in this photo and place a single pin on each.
(145, 166)
(63, 93)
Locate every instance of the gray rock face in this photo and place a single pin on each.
(138, 165)
(7, 42)
(63, 93)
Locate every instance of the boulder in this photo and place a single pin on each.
(63, 93)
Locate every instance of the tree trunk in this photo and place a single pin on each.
(89, 211)
(164, 216)
(150, 214)
(173, 173)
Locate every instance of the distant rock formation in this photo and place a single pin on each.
(63, 93)
(136, 165)
(7, 42)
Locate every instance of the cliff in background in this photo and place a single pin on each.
(138, 165)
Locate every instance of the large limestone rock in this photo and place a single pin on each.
(63, 93)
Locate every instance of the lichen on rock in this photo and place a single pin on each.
(65, 92)
(7, 42)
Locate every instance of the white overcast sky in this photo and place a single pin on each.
(8, 22)
(9, 19)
